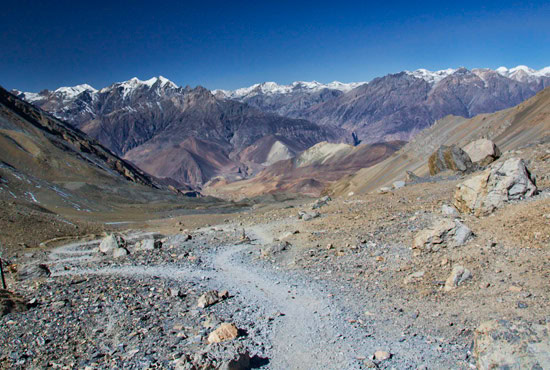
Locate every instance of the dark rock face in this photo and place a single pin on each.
(184, 134)
(450, 158)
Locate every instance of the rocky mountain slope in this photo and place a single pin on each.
(184, 134)
(288, 100)
(511, 129)
(397, 106)
(54, 178)
(308, 173)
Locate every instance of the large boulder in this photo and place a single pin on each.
(111, 242)
(442, 233)
(482, 152)
(501, 344)
(450, 158)
(502, 182)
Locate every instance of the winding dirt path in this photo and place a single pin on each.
(312, 331)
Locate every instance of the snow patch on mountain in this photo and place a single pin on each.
(273, 88)
(431, 77)
(71, 92)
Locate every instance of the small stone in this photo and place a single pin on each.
(384, 190)
(415, 276)
(398, 184)
(449, 211)
(208, 299)
(224, 332)
(458, 276)
(382, 355)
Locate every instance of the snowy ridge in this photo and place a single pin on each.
(272, 88)
(68, 93)
(523, 73)
(135, 83)
(431, 77)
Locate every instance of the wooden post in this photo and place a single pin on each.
(2, 273)
(2, 268)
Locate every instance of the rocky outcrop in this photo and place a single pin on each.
(502, 344)
(502, 182)
(482, 152)
(450, 158)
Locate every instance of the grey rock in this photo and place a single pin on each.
(450, 158)
(111, 242)
(482, 151)
(208, 299)
(462, 233)
(502, 344)
(458, 276)
(500, 183)
(321, 202)
(120, 252)
(449, 210)
(398, 184)
(443, 233)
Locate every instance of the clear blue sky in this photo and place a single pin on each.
(231, 44)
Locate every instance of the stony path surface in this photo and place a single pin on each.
(317, 324)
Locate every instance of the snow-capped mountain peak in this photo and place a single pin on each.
(135, 83)
(71, 92)
(523, 73)
(431, 77)
(273, 88)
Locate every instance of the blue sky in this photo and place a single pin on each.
(231, 44)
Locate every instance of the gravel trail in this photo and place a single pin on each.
(316, 325)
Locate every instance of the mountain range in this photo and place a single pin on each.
(181, 133)
(397, 106)
(192, 135)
